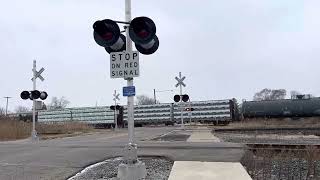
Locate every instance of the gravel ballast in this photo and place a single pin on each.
(268, 138)
(158, 168)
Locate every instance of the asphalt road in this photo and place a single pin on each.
(61, 158)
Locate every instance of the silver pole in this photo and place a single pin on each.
(129, 80)
(115, 110)
(154, 96)
(181, 103)
(133, 169)
(34, 132)
(190, 110)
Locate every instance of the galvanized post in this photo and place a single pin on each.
(133, 169)
(34, 136)
(181, 103)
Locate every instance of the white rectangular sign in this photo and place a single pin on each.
(124, 64)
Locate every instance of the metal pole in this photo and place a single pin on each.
(154, 96)
(115, 110)
(7, 97)
(181, 103)
(190, 110)
(133, 169)
(129, 80)
(34, 133)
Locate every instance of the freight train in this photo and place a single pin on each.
(300, 107)
(217, 112)
(210, 112)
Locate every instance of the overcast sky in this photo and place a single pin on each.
(225, 49)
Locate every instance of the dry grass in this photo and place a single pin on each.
(293, 164)
(63, 128)
(276, 123)
(12, 129)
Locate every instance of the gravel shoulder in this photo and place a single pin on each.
(158, 168)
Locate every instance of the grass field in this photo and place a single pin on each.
(12, 129)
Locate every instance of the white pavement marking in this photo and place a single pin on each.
(202, 135)
(191, 170)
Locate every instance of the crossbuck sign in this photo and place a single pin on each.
(38, 74)
(116, 96)
(124, 64)
(180, 80)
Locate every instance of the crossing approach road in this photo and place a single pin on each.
(62, 158)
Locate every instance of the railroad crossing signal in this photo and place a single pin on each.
(142, 31)
(107, 34)
(38, 74)
(189, 109)
(178, 98)
(116, 107)
(33, 95)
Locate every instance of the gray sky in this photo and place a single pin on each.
(225, 49)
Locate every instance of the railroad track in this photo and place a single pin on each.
(278, 146)
(267, 129)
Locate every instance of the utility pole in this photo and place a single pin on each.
(7, 97)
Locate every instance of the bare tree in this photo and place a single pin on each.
(21, 109)
(58, 103)
(270, 94)
(145, 100)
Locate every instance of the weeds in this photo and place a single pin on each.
(287, 164)
(63, 128)
(13, 129)
(276, 122)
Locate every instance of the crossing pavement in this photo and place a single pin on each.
(63, 157)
